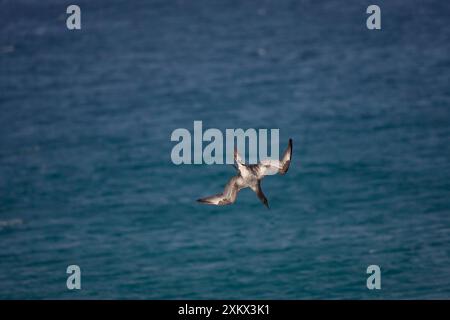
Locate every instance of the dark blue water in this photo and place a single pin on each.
(86, 176)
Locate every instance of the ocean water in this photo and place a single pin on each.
(86, 176)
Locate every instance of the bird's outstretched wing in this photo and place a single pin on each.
(228, 196)
(270, 167)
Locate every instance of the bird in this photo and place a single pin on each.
(250, 176)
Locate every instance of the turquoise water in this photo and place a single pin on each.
(85, 170)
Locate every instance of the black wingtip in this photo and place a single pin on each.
(204, 201)
(290, 146)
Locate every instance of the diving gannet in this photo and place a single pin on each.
(250, 176)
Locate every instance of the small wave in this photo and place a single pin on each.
(10, 223)
(7, 49)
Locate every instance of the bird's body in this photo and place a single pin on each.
(250, 176)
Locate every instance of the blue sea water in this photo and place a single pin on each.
(86, 176)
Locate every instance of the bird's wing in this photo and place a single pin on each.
(238, 162)
(286, 160)
(228, 196)
(261, 195)
(270, 167)
(237, 157)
